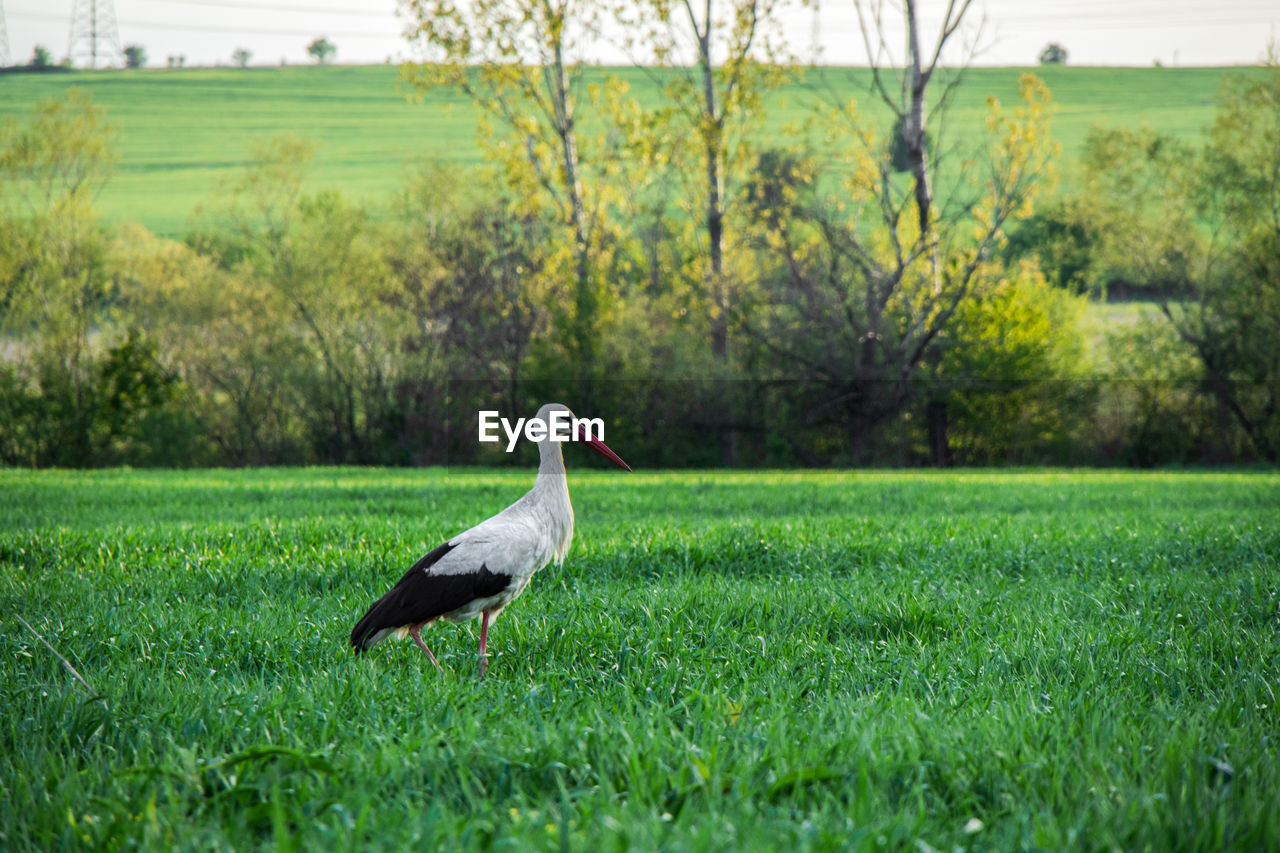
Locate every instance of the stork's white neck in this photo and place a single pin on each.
(551, 459)
(551, 493)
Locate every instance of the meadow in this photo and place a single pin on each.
(736, 660)
(185, 134)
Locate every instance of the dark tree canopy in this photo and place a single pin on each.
(1053, 54)
(322, 50)
(135, 56)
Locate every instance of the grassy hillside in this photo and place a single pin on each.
(747, 661)
(182, 133)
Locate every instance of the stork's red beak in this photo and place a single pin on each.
(600, 447)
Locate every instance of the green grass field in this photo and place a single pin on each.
(183, 134)
(728, 661)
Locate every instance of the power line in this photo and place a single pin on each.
(271, 7)
(258, 31)
(830, 33)
(215, 28)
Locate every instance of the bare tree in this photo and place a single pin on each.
(908, 100)
(873, 278)
(514, 60)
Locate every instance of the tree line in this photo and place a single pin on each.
(853, 291)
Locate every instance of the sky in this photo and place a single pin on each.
(1094, 32)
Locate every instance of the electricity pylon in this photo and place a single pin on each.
(95, 38)
(4, 39)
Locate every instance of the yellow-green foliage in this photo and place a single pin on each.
(1017, 369)
(296, 325)
(52, 271)
(859, 296)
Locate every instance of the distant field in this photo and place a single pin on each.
(184, 132)
(728, 661)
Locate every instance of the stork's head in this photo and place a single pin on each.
(561, 426)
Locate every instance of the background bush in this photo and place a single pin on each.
(291, 326)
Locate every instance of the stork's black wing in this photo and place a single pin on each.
(420, 597)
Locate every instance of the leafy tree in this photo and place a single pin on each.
(228, 337)
(1154, 411)
(122, 415)
(135, 56)
(84, 390)
(1195, 230)
(52, 166)
(721, 59)
(318, 315)
(1131, 232)
(716, 61)
(1011, 374)
(1134, 178)
(241, 56)
(1053, 54)
(55, 288)
(472, 267)
(322, 50)
(41, 58)
(1064, 238)
(1232, 315)
(523, 76)
(59, 158)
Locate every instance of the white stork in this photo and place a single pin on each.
(482, 570)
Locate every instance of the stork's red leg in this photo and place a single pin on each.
(417, 638)
(484, 640)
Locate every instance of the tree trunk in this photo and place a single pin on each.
(939, 442)
(857, 430)
(713, 141)
(712, 144)
(585, 302)
(913, 133)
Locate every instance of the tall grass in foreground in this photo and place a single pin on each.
(806, 661)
